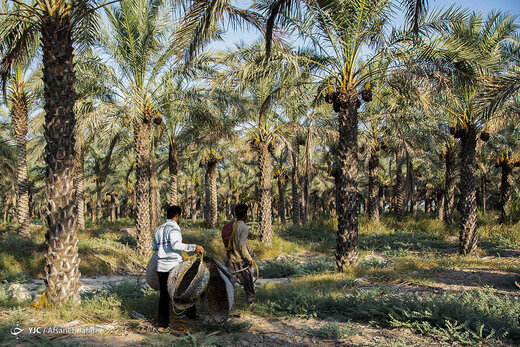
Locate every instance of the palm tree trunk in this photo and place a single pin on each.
(439, 204)
(505, 192)
(281, 201)
(19, 116)
(373, 186)
(61, 239)
(449, 185)
(143, 175)
(295, 183)
(99, 202)
(80, 188)
(207, 198)
(399, 190)
(213, 209)
(468, 232)
(305, 198)
(266, 167)
(172, 165)
(155, 198)
(93, 209)
(346, 182)
(484, 192)
(193, 202)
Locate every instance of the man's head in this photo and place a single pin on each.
(174, 212)
(241, 211)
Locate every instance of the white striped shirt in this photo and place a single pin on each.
(168, 244)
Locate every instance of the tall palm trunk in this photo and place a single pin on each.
(207, 198)
(346, 182)
(440, 203)
(143, 175)
(61, 239)
(99, 201)
(281, 193)
(266, 167)
(399, 190)
(19, 116)
(93, 209)
(173, 161)
(449, 185)
(468, 231)
(211, 189)
(295, 183)
(80, 188)
(483, 183)
(505, 191)
(373, 186)
(305, 198)
(155, 198)
(194, 202)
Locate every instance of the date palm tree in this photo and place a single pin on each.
(57, 25)
(340, 32)
(268, 89)
(135, 43)
(471, 53)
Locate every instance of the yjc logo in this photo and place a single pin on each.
(15, 331)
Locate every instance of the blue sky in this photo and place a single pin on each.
(485, 6)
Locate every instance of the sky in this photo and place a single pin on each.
(231, 37)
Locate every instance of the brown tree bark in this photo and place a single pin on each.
(61, 239)
(399, 190)
(265, 166)
(80, 188)
(483, 183)
(20, 118)
(281, 193)
(468, 231)
(373, 185)
(346, 182)
(295, 186)
(449, 184)
(505, 191)
(143, 175)
(155, 198)
(213, 209)
(172, 166)
(193, 202)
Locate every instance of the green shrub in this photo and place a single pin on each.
(127, 239)
(288, 268)
(332, 331)
(8, 299)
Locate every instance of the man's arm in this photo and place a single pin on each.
(176, 241)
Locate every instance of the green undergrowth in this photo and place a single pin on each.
(288, 268)
(467, 318)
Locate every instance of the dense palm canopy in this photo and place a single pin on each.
(356, 117)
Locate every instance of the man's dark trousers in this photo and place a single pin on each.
(165, 301)
(245, 278)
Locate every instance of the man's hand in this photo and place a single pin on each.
(251, 263)
(199, 249)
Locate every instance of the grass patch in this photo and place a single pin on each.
(467, 318)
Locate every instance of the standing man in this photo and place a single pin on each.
(239, 256)
(168, 244)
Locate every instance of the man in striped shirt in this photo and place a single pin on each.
(168, 244)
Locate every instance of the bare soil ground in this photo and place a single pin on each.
(264, 331)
